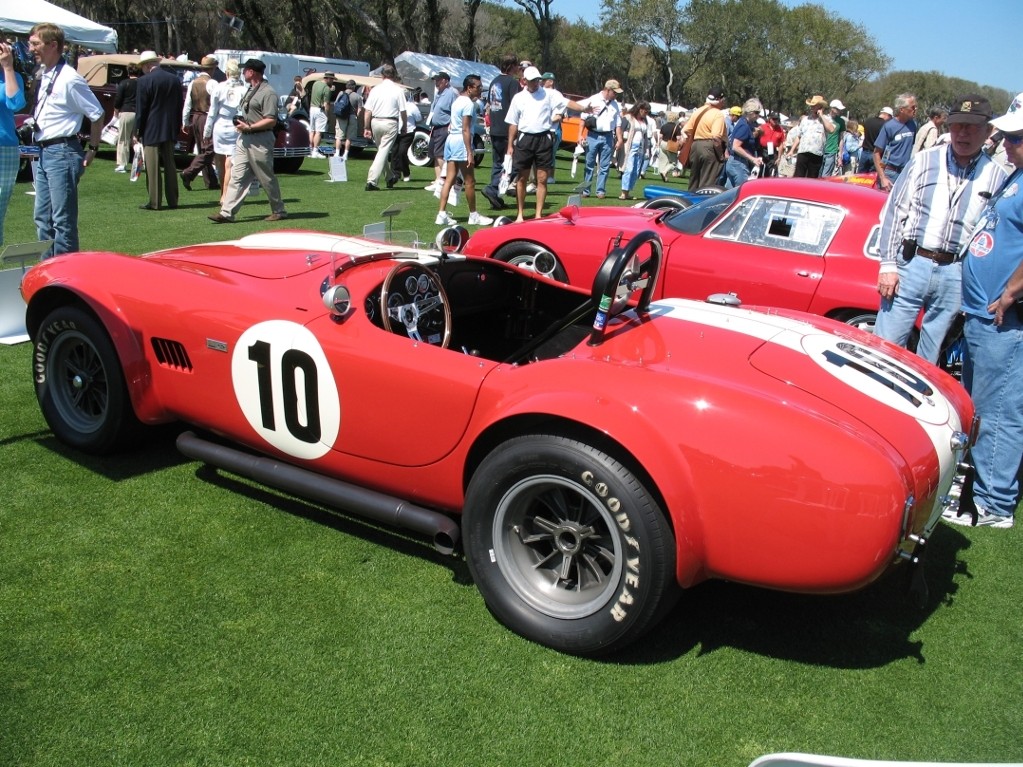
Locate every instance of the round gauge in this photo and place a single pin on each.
(424, 283)
(411, 285)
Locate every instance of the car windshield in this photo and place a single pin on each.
(697, 218)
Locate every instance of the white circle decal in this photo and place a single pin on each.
(285, 388)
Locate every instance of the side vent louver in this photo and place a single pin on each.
(171, 354)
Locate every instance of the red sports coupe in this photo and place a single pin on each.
(791, 243)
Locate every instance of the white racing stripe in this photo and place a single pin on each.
(867, 370)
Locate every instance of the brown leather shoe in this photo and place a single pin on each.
(276, 216)
(219, 219)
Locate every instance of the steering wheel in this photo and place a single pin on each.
(620, 276)
(414, 303)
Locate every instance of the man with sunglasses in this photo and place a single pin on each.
(993, 365)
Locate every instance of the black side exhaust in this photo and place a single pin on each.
(379, 507)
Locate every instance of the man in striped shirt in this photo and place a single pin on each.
(934, 205)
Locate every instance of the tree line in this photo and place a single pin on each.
(669, 51)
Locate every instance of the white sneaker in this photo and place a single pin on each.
(444, 219)
(478, 219)
(530, 188)
(120, 169)
(984, 519)
(434, 187)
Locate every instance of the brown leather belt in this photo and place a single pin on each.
(937, 256)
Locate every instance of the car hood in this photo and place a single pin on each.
(273, 255)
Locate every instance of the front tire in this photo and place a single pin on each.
(80, 384)
(567, 546)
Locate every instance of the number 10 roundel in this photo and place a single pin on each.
(285, 388)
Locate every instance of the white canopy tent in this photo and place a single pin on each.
(19, 17)
(417, 70)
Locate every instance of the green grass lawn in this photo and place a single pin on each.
(157, 612)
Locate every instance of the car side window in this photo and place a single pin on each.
(793, 225)
(872, 247)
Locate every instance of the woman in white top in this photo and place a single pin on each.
(225, 98)
(635, 147)
(460, 156)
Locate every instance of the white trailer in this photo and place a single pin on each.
(281, 68)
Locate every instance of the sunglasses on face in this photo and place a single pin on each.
(1014, 140)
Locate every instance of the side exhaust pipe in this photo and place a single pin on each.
(389, 510)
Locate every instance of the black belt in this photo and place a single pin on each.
(61, 140)
(377, 117)
(941, 257)
(896, 168)
(600, 133)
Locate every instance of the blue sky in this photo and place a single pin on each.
(978, 40)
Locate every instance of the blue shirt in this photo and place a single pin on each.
(996, 249)
(742, 132)
(896, 142)
(8, 106)
(441, 110)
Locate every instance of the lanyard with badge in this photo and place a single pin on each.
(981, 241)
(49, 91)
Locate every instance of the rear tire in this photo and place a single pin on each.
(523, 255)
(567, 546)
(80, 384)
(419, 149)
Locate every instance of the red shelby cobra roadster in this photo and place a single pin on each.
(593, 452)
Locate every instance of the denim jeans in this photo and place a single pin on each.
(828, 166)
(992, 372)
(866, 163)
(9, 160)
(923, 284)
(498, 148)
(602, 145)
(633, 168)
(56, 207)
(736, 172)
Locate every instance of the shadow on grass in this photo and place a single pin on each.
(400, 541)
(865, 629)
(158, 453)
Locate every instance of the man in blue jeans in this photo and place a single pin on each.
(63, 100)
(993, 365)
(935, 202)
(603, 140)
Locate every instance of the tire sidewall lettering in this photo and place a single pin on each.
(41, 353)
(624, 598)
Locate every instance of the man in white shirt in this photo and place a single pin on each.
(605, 137)
(530, 121)
(385, 117)
(64, 99)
